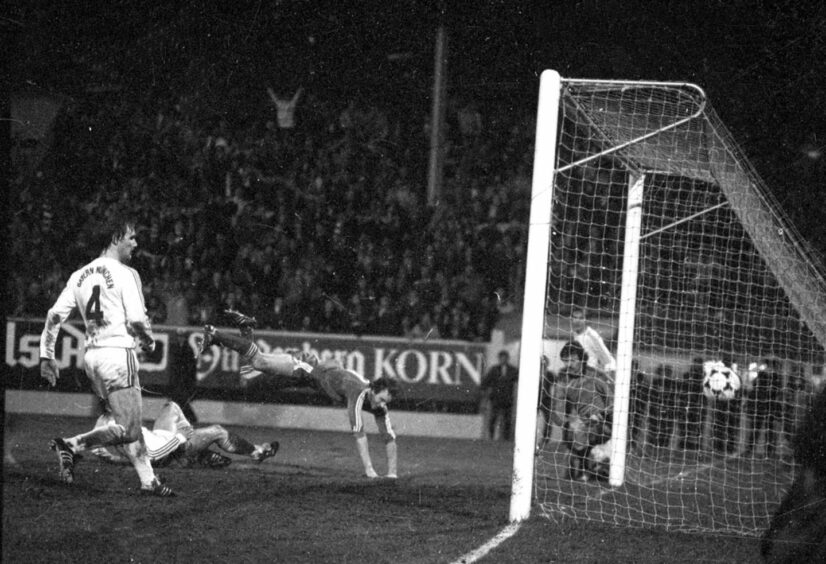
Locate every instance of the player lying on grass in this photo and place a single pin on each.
(174, 439)
(343, 386)
(797, 532)
(585, 419)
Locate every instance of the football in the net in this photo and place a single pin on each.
(720, 381)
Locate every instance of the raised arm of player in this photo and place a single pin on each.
(56, 316)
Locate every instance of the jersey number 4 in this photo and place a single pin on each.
(93, 306)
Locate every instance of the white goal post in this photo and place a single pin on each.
(646, 215)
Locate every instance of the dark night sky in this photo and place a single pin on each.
(763, 64)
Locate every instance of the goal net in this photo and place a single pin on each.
(649, 222)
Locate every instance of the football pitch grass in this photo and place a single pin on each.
(309, 504)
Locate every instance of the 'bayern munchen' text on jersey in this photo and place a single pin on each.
(108, 295)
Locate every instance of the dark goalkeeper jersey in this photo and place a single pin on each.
(586, 395)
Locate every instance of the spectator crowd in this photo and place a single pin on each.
(311, 216)
(304, 201)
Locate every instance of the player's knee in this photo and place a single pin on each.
(388, 438)
(219, 431)
(131, 433)
(213, 433)
(173, 408)
(118, 432)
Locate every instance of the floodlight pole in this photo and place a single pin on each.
(437, 118)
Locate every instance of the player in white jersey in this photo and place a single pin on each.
(173, 437)
(109, 296)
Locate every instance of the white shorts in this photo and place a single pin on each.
(160, 443)
(111, 369)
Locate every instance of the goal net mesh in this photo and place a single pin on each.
(721, 276)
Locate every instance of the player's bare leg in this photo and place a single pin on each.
(124, 430)
(392, 458)
(127, 411)
(364, 454)
(113, 434)
(391, 450)
(126, 426)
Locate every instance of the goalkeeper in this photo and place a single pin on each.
(341, 385)
(173, 438)
(585, 420)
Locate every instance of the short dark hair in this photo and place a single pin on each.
(385, 383)
(573, 348)
(113, 227)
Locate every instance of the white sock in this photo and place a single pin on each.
(144, 469)
(140, 460)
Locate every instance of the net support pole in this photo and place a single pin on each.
(533, 310)
(625, 335)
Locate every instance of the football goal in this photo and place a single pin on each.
(648, 221)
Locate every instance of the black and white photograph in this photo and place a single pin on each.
(414, 281)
